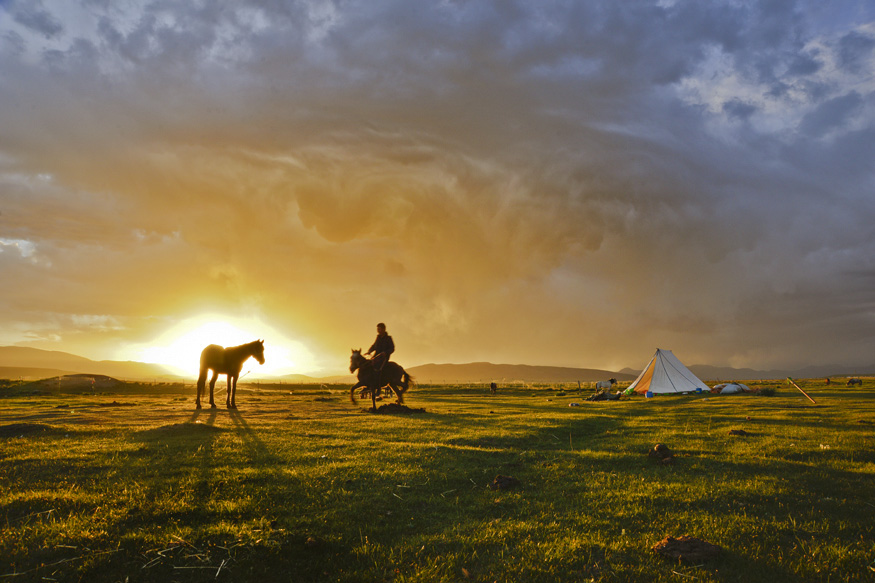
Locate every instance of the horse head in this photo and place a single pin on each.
(258, 351)
(355, 360)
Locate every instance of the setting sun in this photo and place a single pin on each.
(180, 347)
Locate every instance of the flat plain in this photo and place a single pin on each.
(131, 483)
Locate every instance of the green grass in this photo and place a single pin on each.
(301, 485)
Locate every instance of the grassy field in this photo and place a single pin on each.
(298, 484)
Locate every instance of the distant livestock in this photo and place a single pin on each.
(605, 384)
(855, 382)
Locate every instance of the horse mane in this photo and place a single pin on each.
(247, 345)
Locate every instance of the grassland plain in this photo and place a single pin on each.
(301, 485)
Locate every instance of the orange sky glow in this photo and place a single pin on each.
(567, 184)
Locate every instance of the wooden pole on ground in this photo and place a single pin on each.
(801, 391)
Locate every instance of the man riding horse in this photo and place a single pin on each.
(382, 348)
(378, 372)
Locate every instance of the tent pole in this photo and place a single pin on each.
(801, 391)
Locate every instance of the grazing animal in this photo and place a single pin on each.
(855, 382)
(227, 361)
(392, 375)
(605, 384)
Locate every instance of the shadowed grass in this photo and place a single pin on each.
(291, 488)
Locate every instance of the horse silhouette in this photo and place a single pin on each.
(392, 375)
(227, 361)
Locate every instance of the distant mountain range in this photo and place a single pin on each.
(485, 372)
(724, 373)
(32, 363)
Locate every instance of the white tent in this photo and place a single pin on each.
(666, 374)
(730, 388)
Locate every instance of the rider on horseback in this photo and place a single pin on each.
(383, 347)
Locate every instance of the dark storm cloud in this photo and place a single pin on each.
(34, 17)
(495, 176)
(831, 114)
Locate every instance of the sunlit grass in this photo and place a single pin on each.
(291, 488)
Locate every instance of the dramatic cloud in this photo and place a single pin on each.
(549, 182)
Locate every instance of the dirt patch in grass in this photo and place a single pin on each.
(504, 483)
(740, 432)
(176, 429)
(686, 548)
(22, 429)
(116, 404)
(394, 409)
(662, 454)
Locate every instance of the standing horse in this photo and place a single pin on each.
(227, 361)
(392, 375)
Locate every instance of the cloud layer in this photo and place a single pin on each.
(543, 182)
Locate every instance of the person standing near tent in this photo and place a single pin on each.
(382, 348)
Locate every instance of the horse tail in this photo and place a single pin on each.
(407, 381)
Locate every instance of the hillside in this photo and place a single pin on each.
(17, 362)
(487, 372)
(725, 373)
(23, 362)
(30, 372)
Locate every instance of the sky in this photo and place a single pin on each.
(554, 182)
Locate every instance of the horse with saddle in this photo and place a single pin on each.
(373, 380)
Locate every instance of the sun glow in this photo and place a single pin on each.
(180, 347)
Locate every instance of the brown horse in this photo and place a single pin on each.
(227, 361)
(392, 376)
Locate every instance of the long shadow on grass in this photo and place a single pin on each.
(571, 464)
(762, 532)
(259, 453)
(574, 457)
(437, 497)
(175, 471)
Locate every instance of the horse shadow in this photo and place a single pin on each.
(258, 451)
(198, 413)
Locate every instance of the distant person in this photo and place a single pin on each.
(382, 348)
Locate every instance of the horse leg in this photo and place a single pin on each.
(374, 399)
(201, 385)
(234, 393)
(228, 400)
(212, 388)
(399, 394)
(352, 391)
